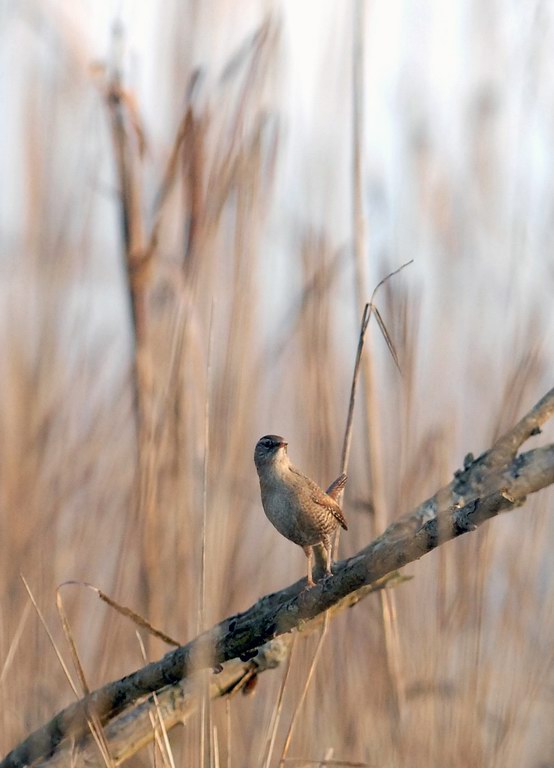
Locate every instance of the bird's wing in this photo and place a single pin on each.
(324, 500)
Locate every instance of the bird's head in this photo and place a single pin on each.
(269, 450)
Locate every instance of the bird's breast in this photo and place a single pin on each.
(292, 515)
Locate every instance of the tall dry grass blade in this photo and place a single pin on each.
(50, 637)
(388, 609)
(359, 233)
(206, 758)
(202, 595)
(228, 732)
(302, 697)
(358, 97)
(93, 720)
(71, 642)
(157, 722)
(12, 649)
(164, 743)
(276, 715)
(215, 747)
(386, 336)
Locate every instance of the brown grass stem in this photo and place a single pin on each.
(276, 715)
(302, 697)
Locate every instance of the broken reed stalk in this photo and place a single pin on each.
(371, 411)
(391, 640)
(138, 270)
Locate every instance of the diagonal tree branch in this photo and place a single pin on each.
(498, 480)
(132, 729)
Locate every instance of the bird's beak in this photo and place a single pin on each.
(283, 444)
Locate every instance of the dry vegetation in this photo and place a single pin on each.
(152, 329)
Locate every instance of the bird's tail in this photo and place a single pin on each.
(337, 486)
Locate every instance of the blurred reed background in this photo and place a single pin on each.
(171, 168)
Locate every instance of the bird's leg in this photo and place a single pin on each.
(308, 551)
(328, 545)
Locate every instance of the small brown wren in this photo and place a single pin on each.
(299, 509)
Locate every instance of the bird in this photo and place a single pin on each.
(299, 509)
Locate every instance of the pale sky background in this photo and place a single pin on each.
(458, 98)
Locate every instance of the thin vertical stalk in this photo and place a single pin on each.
(371, 411)
(205, 720)
(127, 151)
(270, 743)
(228, 728)
(302, 698)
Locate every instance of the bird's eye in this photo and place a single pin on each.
(268, 443)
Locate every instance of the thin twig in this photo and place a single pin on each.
(136, 618)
